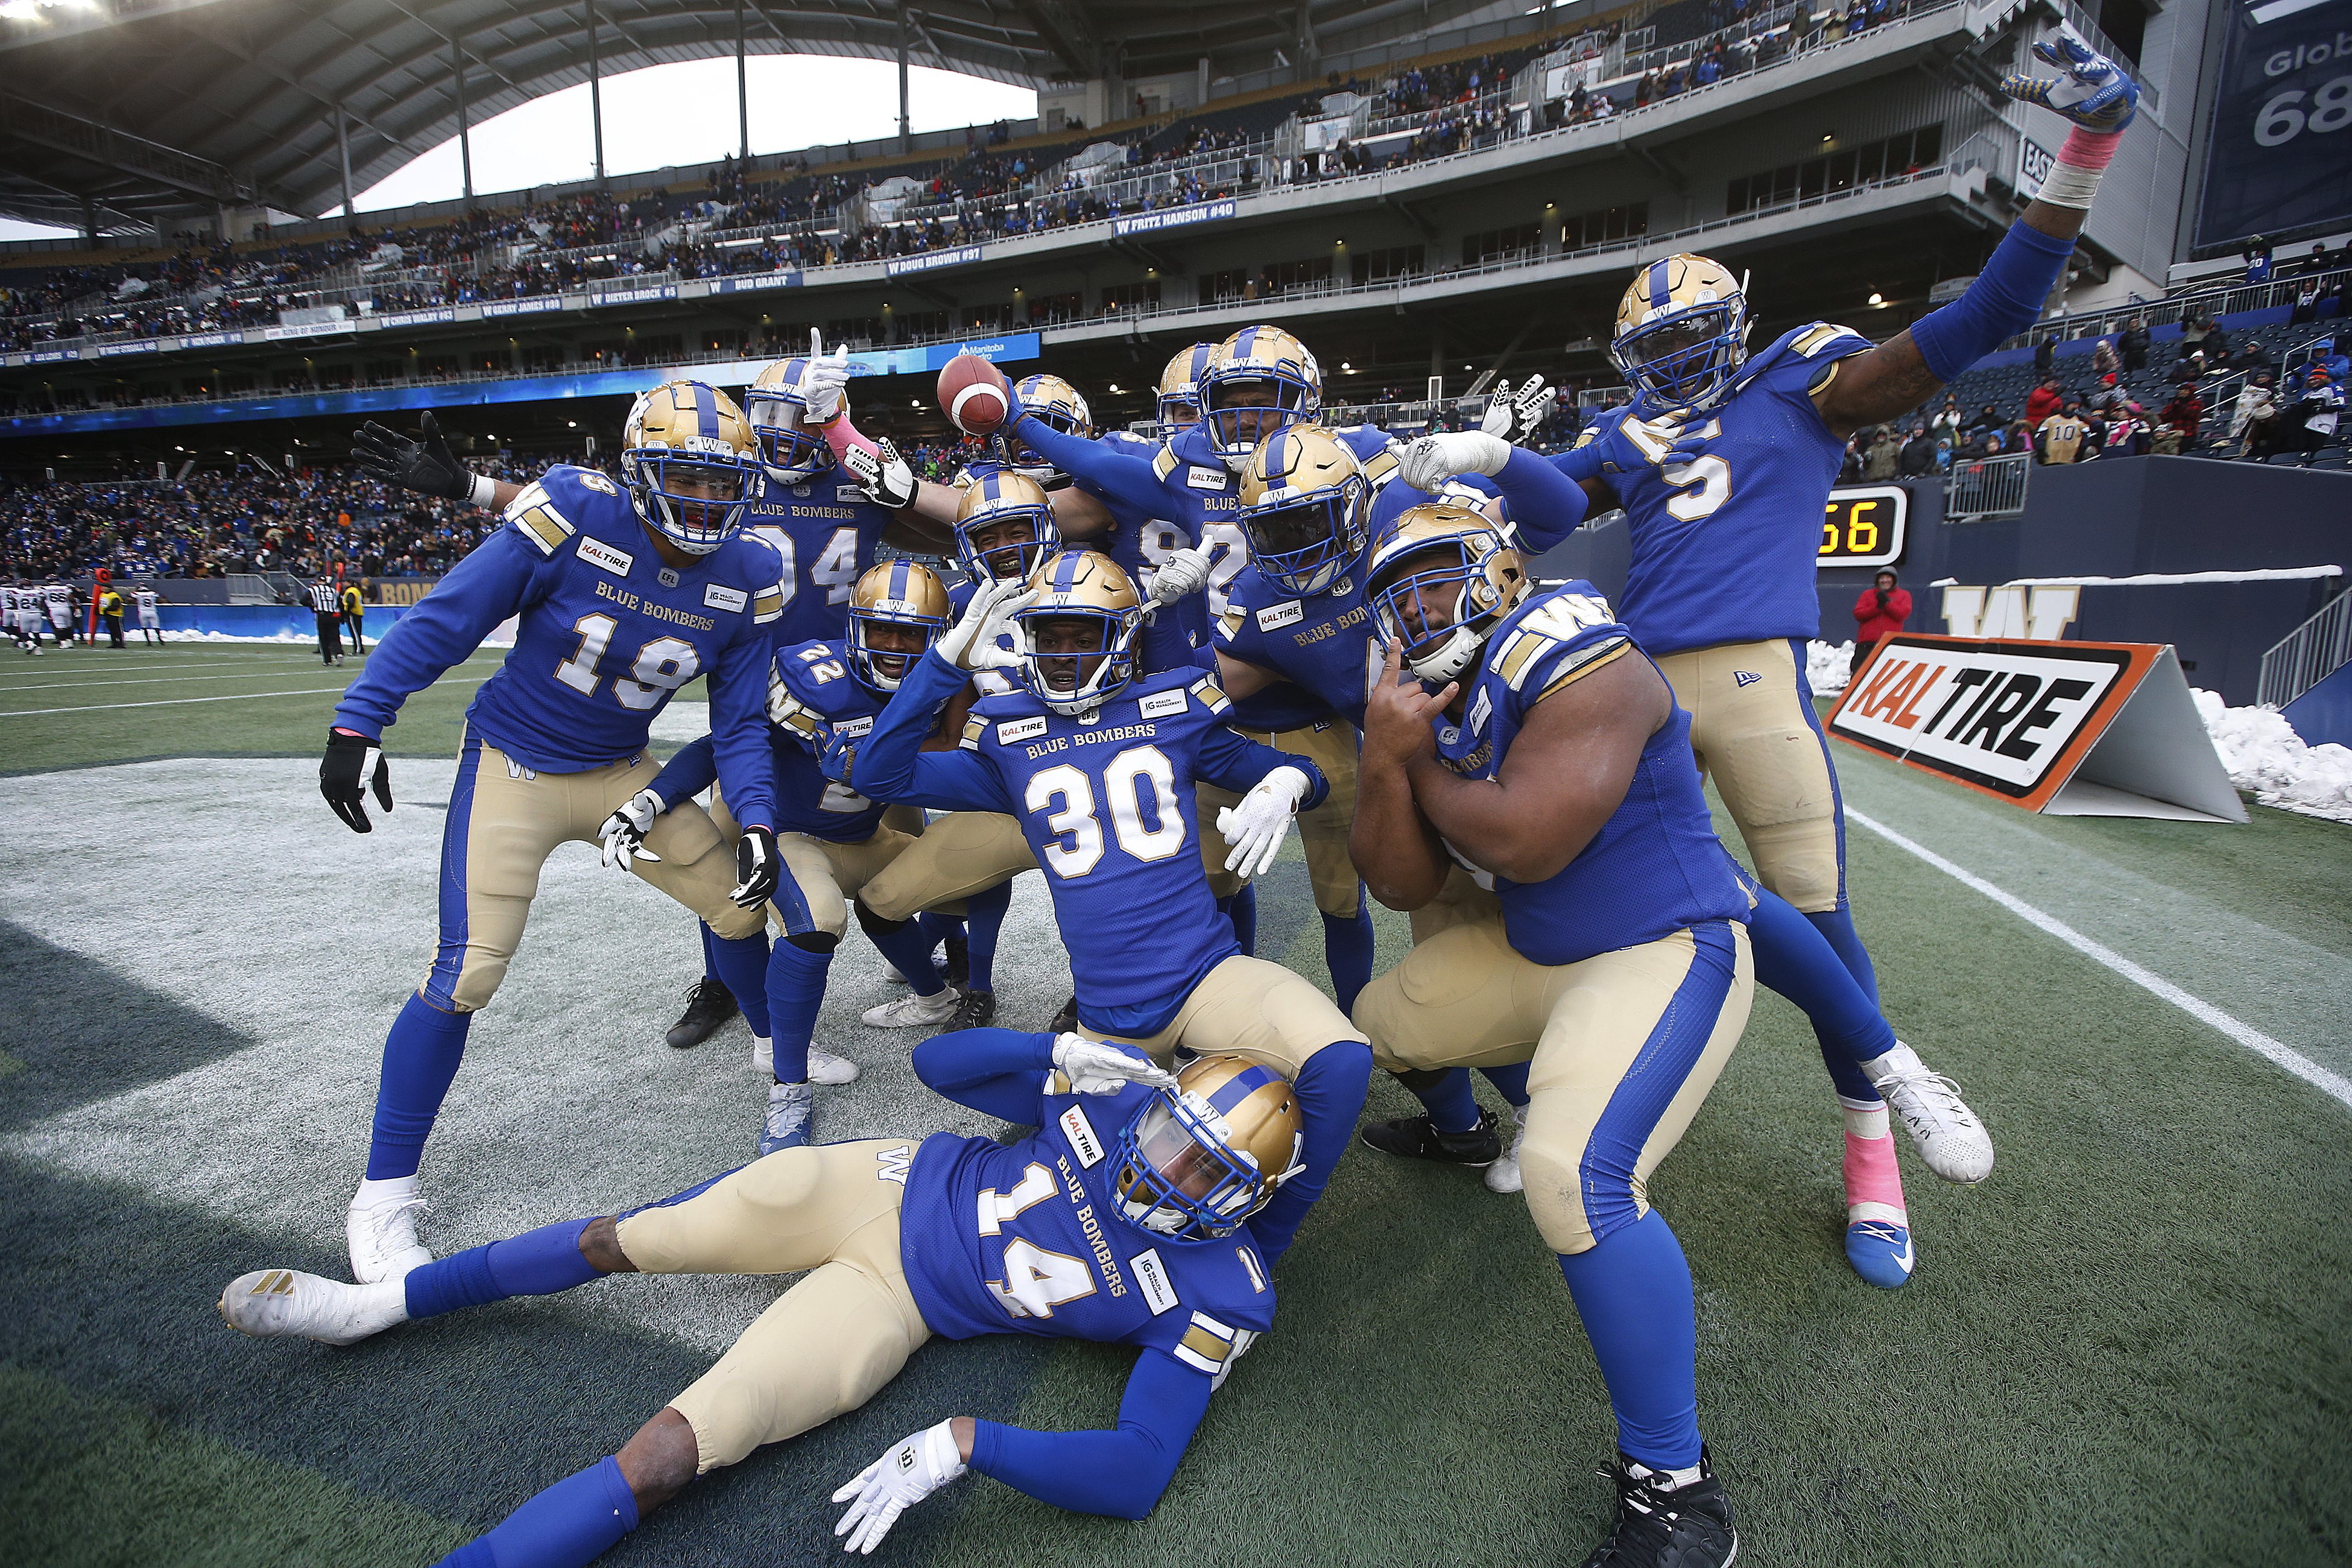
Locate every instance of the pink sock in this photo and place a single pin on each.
(2089, 149)
(841, 436)
(1873, 1184)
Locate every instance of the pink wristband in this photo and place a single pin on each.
(2089, 149)
(841, 436)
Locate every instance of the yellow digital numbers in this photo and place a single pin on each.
(1864, 526)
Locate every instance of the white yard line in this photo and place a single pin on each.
(132, 669)
(183, 702)
(2335, 1085)
(151, 680)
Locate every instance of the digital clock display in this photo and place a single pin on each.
(1864, 525)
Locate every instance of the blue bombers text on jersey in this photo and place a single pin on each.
(1029, 1238)
(605, 634)
(824, 530)
(1326, 647)
(826, 700)
(1655, 866)
(1107, 803)
(1726, 546)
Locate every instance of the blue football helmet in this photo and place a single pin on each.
(1441, 578)
(1198, 1160)
(1303, 507)
(998, 503)
(776, 403)
(686, 457)
(1284, 387)
(1179, 405)
(1082, 587)
(897, 594)
(1681, 334)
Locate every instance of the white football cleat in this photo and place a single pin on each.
(284, 1303)
(823, 1067)
(911, 1012)
(1949, 1136)
(1503, 1176)
(381, 1227)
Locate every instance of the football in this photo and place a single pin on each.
(972, 394)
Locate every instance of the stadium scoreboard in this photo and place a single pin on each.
(1865, 526)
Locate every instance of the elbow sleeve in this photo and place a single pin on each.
(2005, 300)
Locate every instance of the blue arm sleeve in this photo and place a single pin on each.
(1117, 475)
(441, 629)
(2004, 300)
(1121, 1472)
(890, 763)
(687, 775)
(1237, 763)
(1547, 505)
(997, 1072)
(738, 727)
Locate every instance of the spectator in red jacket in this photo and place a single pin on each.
(1879, 613)
(2043, 401)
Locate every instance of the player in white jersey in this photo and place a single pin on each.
(151, 623)
(17, 609)
(60, 597)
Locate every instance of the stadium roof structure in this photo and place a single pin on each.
(121, 112)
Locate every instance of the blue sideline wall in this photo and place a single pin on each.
(2118, 517)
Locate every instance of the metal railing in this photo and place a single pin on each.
(1980, 489)
(2212, 300)
(2307, 655)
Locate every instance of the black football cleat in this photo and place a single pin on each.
(977, 1009)
(1417, 1138)
(1661, 1525)
(956, 972)
(1065, 1022)
(709, 1004)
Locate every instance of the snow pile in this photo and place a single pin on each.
(2263, 753)
(1825, 666)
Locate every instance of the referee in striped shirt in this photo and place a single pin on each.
(327, 604)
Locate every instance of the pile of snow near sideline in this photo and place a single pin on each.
(1825, 666)
(2263, 753)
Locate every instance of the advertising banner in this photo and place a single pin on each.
(2072, 728)
(2278, 162)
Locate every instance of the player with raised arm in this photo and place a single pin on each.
(1129, 1217)
(1097, 764)
(621, 599)
(1525, 734)
(832, 841)
(1773, 427)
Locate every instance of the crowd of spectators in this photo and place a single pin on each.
(250, 521)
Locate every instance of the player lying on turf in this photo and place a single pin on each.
(832, 841)
(1126, 1218)
(622, 596)
(1097, 765)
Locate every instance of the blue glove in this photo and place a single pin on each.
(2094, 93)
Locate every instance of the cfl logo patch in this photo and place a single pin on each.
(1744, 678)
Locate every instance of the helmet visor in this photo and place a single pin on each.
(1417, 599)
(1003, 546)
(1065, 648)
(786, 441)
(1296, 543)
(1179, 1179)
(700, 497)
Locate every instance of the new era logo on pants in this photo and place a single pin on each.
(1745, 678)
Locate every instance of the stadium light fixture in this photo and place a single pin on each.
(1346, 366)
(1877, 299)
(1114, 386)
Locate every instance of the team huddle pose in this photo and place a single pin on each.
(1252, 612)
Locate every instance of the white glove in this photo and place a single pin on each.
(1514, 415)
(1094, 1067)
(1255, 827)
(888, 481)
(896, 1482)
(1432, 461)
(973, 642)
(1186, 572)
(826, 380)
(625, 831)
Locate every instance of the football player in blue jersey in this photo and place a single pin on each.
(1772, 427)
(832, 841)
(824, 528)
(1529, 737)
(1177, 407)
(620, 599)
(1098, 766)
(1129, 1217)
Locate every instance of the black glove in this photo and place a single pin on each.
(351, 762)
(426, 466)
(757, 863)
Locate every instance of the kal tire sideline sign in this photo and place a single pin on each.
(2066, 727)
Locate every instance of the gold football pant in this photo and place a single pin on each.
(1754, 728)
(1330, 746)
(831, 1342)
(1251, 1008)
(505, 820)
(1622, 1048)
(962, 852)
(820, 876)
